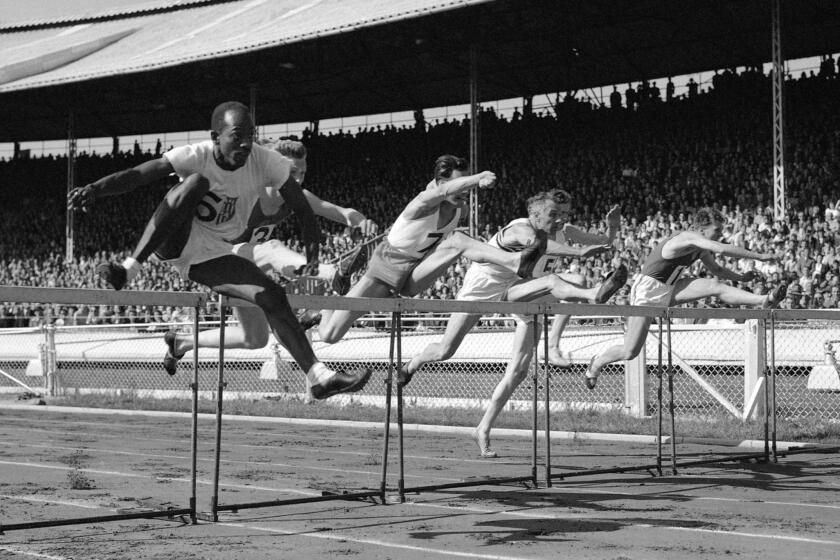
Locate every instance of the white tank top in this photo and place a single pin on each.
(415, 237)
(493, 271)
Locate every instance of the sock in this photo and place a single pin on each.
(132, 268)
(318, 373)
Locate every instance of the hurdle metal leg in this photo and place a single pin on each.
(214, 504)
(536, 369)
(401, 481)
(671, 396)
(389, 384)
(659, 401)
(547, 377)
(773, 381)
(194, 429)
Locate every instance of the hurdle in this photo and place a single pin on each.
(70, 296)
(396, 307)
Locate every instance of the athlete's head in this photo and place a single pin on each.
(709, 223)
(232, 131)
(295, 150)
(549, 210)
(450, 167)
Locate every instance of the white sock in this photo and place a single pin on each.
(319, 372)
(132, 268)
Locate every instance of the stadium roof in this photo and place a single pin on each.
(163, 66)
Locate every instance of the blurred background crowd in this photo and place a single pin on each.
(658, 156)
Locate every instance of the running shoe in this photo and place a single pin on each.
(341, 382)
(171, 359)
(614, 282)
(114, 275)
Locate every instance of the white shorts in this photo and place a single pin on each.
(481, 287)
(649, 291)
(274, 255)
(202, 246)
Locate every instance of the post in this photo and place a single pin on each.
(71, 183)
(474, 132)
(755, 363)
(636, 397)
(779, 189)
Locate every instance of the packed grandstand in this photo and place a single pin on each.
(659, 156)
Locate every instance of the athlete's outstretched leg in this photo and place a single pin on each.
(236, 277)
(457, 327)
(515, 373)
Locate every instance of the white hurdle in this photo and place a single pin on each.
(70, 296)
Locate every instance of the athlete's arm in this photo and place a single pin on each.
(577, 235)
(430, 199)
(686, 241)
(347, 216)
(715, 268)
(81, 198)
(296, 201)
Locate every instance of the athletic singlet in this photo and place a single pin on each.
(665, 270)
(225, 210)
(415, 237)
(499, 273)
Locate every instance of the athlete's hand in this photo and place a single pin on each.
(81, 198)
(309, 269)
(368, 227)
(486, 180)
(750, 275)
(588, 250)
(769, 257)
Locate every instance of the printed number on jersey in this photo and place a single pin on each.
(547, 264)
(263, 233)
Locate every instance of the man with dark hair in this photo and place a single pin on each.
(659, 283)
(222, 181)
(259, 244)
(422, 244)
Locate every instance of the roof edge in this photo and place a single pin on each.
(108, 16)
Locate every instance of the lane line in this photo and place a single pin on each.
(226, 461)
(743, 534)
(33, 554)
(376, 542)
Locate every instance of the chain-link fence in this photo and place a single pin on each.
(718, 367)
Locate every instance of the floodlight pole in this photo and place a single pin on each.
(71, 180)
(474, 136)
(778, 118)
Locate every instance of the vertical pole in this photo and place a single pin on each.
(659, 402)
(766, 410)
(474, 133)
(219, 396)
(547, 400)
(535, 359)
(779, 187)
(389, 384)
(773, 381)
(401, 481)
(194, 431)
(69, 232)
(252, 105)
(671, 396)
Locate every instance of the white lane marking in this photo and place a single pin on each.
(375, 542)
(33, 554)
(742, 534)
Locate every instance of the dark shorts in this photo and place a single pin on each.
(391, 267)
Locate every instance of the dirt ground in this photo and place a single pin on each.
(57, 464)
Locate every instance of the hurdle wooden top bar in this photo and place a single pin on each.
(67, 296)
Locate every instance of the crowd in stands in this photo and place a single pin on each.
(660, 158)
